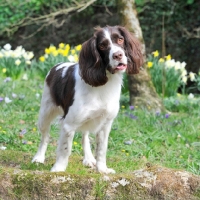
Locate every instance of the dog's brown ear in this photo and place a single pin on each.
(133, 51)
(92, 69)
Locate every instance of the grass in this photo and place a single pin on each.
(170, 139)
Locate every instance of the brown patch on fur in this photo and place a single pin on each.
(62, 89)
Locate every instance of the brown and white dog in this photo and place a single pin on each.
(87, 95)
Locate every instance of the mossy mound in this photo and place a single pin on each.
(151, 182)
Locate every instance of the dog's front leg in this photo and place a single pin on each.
(64, 149)
(101, 149)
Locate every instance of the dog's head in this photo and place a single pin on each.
(112, 49)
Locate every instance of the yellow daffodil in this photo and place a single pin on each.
(61, 45)
(42, 58)
(73, 51)
(78, 47)
(149, 64)
(4, 70)
(168, 57)
(52, 49)
(155, 53)
(47, 51)
(76, 58)
(161, 60)
(67, 46)
(65, 52)
(55, 53)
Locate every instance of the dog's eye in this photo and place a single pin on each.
(102, 47)
(120, 40)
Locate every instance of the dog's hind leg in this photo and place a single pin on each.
(88, 159)
(48, 112)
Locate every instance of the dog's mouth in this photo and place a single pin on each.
(121, 66)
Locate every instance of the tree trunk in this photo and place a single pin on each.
(141, 89)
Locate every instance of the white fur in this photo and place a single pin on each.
(93, 111)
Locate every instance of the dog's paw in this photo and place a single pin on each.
(89, 162)
(38, 159)
(103, 169)
(58, 168)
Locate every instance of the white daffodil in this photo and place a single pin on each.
(7, 47)
(184, 79)
(17, 62)
(192, 76)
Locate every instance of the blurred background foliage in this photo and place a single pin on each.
(35, 24)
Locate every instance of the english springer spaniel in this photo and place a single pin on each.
(86, 94)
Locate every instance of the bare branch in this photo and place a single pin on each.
(48, 19)
(189, 35)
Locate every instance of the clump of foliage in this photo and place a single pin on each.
(53, 55)
(14, 62)
(167, 74)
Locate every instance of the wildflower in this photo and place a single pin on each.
(7, 79)
(129, 142)
(161, 60)
(47, 51)
(183, 64)
(132, 116)
(155, 53)
(167, 115)
(28, 62)
(61, 45)
(73, 51)
(7, 100)
(75, 143)
(14, 95)
(191, 96)
(17, 62)
(184, 79)
(55, 53)
(122, 107)
(42, 58)
(25, 77)
(4, 70)
(71, 58)
(168, 57)
(78, 47)
(1, 99)
(131, 107)
(123, 150)
(37, 95)
(192, 76)
(123, 182)
(157, 113)
(178, 94)
(34, 129)
(149, 64)
(170, 63)
(52, 49)
(76, 58)
(7, 47)
(177, 65)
